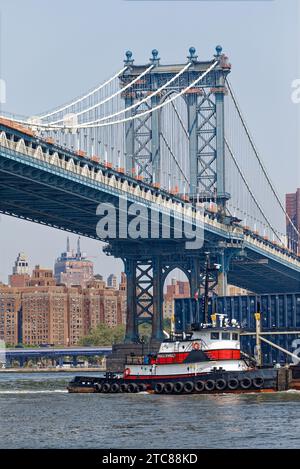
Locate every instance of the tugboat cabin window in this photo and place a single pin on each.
(235, 336)
(214, 335)
(225, 335)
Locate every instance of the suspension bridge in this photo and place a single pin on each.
(171, 138)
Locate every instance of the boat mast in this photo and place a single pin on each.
(207, 266)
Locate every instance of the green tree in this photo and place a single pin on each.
(102, 334)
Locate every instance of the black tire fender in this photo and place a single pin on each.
(199, 386)
(221, 384)
(169, 387)
(258, 382)
(115, 387)
(132, 387)
(106, 387)
(245, 383)
(159, 388)
(233, 384)
(178, 387)
(98, 387)
(188, 387)
(124, 387)
(210, 385)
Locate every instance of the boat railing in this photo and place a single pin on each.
(137, 360)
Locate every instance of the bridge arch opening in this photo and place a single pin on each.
(176, 284)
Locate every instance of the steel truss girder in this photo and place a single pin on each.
(206, 146)
(144, 291)
(206, 143)
(142, 136)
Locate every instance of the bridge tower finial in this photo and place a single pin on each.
(192, 57)
(155, 59)
(218, 51)
(129, 60)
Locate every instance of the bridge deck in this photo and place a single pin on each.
(49, 185)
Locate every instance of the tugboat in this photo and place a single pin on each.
(208, 359)
(205, 359)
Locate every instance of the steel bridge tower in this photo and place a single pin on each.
(147, 266)
(205, 110)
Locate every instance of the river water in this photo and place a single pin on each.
(37, 412)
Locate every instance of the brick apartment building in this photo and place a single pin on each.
(38, 311)
(177, 289)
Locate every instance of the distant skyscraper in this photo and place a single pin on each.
(73, 268)
(292, 203)
(112, 281)
(20, 272)
(21, 264)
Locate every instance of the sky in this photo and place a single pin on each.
(53, 51)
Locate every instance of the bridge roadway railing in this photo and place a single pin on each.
(121, 184)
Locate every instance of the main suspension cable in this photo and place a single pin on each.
(155, 108)
(259, 159)
(249, 189)
(109, 98)
(137, 104)
(78, 100)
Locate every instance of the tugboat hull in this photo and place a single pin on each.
(256, 380)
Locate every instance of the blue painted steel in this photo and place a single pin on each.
(59, 198)
(280, 312)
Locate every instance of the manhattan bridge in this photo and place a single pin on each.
(167, 136)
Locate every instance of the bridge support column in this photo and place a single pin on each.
(157, 319)
(193, 142)
(155, 141)
(131, 319)
(220, 148)
(225, 256)
(129, 137)
(155, 125)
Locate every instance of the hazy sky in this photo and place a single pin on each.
(54, 50)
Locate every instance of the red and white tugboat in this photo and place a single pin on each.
(207, 359)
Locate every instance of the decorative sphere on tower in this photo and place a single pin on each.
(218, 50)
(154, 54)
(193, 57)
(192, 51)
